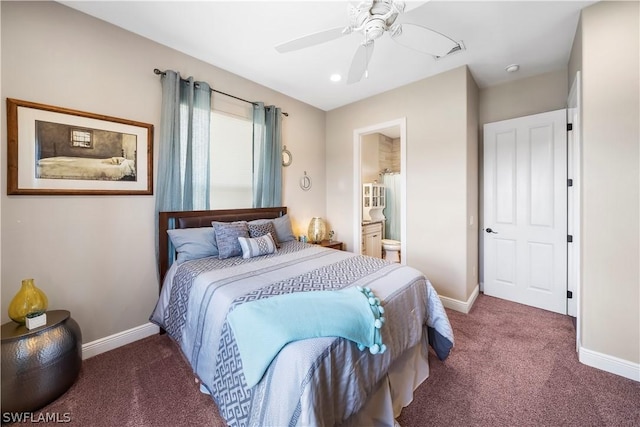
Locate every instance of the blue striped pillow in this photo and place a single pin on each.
(252, 247)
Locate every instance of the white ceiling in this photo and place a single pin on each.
(239, 36)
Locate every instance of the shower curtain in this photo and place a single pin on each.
(391, 211)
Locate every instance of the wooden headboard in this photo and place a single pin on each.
(192, 219)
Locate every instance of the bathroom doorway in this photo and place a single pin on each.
(392, 130)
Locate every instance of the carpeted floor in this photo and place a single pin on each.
(512, 365)
(515, 365)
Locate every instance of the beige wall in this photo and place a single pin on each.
(93, 255)
(575, 58)
(473, 184)
(611, 179)
(523, 97)
(438, 175)
(370, 157)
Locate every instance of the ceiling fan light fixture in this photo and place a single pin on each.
(374, 29)
(372, 19)
(512, 68)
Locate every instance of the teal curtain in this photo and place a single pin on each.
(267, 156)
(183, 152)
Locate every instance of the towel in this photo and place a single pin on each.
(262, 327)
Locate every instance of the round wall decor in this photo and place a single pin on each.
(305, 182)
(287, 158)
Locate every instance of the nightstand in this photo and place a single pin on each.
(333, 244)
(40, 364)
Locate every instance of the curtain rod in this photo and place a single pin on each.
(162, 73)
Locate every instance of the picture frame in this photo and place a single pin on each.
(59, 151)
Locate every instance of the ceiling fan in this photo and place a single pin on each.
(371, 19)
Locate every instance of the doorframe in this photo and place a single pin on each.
(357, 182)
(574, 224)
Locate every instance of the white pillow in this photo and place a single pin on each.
(257, 246)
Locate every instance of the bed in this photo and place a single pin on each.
(107, 169)
(316, 376)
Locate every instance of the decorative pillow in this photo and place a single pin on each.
(193, 243)
(257, 229)
(252, 247)
(227, 234)
(284, 233)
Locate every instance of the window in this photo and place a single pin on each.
(81, 138)
(231, 153)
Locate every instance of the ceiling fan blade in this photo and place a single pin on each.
(311, 40)
(360, 62)
(425, 40)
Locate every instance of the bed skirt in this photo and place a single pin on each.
(395, 390)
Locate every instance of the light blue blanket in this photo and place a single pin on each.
(262, 327)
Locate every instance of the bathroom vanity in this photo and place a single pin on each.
(372, 238)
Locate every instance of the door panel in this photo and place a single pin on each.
(506, 252)
(541, 176)
(525, 210)
(506, 175)
(540, 256)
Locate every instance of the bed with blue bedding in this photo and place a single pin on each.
(299, 335)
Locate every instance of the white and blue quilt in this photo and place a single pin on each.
(315, 379)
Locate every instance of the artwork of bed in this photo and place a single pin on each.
(110, 169)
(281, 332)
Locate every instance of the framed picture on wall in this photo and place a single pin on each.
(59, 151)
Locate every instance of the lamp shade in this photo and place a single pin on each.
(317, 230)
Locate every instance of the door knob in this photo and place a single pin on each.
(488, 230)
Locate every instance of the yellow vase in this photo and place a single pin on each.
(29, 299)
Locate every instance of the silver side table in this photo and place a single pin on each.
(40, 364)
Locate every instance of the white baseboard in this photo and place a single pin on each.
(114, 341)
(461, 306)
(611, 364)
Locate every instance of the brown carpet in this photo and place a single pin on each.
(513, 365)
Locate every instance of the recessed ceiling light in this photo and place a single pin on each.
(335, 77)
(512, 68)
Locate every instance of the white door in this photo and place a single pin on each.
(525, 210)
